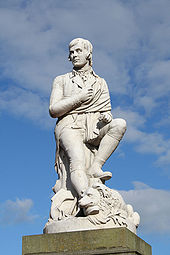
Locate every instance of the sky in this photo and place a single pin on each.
(131, 41)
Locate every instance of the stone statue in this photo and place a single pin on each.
(86, 135)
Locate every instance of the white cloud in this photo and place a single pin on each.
(150, 143)
(133, 118)
(151, 71)
(148, 103)
(159, 79)
(164, 159)
(38, 34)
(27, 104)
(33, 35)
(156, 91)
(152, 205)
(14, 212)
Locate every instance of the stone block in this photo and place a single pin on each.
(117, 241)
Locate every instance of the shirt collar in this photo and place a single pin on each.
(87, 72)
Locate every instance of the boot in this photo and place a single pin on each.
(107, 146)
(80, 183)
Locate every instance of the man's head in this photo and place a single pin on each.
(80, 52)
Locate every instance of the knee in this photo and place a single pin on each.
(121, 124)
(117, 128)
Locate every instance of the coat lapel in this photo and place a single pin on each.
(77, 80)
(90, 81)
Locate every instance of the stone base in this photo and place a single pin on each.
(82, 224)
(118, 241)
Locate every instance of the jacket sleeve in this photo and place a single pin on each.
(60, 105)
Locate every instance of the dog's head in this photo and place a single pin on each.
(90, 197)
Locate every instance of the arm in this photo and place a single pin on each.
(60, 105)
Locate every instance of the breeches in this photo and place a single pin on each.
(72, 141)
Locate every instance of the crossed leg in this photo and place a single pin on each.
(108, 140)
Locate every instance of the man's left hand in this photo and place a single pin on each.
(105, 117)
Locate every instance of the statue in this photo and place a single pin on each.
(86, 135)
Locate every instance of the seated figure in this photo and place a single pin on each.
(86, 134)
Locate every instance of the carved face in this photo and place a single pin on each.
(91, 197)
(79, 55)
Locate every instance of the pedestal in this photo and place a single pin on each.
(117, 241)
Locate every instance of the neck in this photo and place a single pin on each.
(83, 69)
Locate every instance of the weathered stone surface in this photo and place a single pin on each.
(111, 241)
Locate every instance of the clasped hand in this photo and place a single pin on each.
(86, 94)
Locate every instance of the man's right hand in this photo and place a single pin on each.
(86, 94)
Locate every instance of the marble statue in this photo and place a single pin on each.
(86, 135)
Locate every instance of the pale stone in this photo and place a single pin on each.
(86, 135)
(111, 211)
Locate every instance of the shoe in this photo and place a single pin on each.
(103, 175)
(96, 171)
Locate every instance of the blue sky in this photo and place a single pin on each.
(131, 51)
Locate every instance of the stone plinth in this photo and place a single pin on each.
(118, 241)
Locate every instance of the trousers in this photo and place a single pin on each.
(73, 138)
